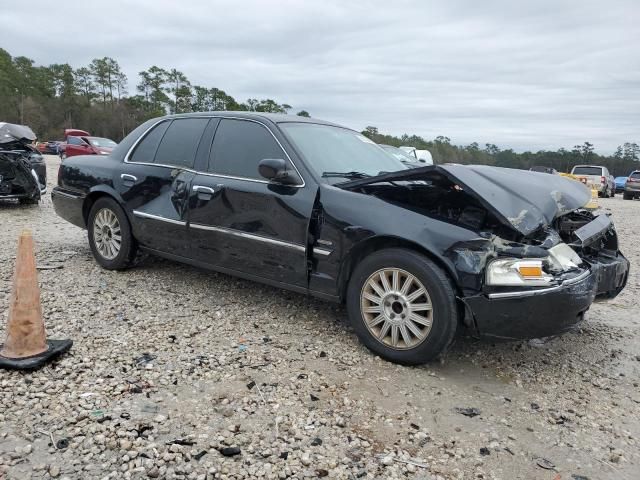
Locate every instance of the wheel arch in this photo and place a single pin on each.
(94, 194)
(370, 245)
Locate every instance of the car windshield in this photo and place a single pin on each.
(335, 152)
(587, 171)
(101, 142)
(635, 175)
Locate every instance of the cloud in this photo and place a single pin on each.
(527, 75)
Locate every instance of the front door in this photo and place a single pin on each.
(156, 179)
(241, 222)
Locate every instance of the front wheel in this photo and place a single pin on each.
(402, 306)
(110, 238)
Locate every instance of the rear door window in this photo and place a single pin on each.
(180, 142)
(145, 151)
(238, 147)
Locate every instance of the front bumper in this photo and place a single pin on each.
(547, 311)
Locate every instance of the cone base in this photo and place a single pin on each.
(55, 348)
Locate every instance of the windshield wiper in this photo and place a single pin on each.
(351, 174)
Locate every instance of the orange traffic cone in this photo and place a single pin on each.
(26, 346)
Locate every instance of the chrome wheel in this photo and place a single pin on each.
(106, 233)
(396, 308)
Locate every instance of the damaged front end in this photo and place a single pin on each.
(542, 285)
(18, 179)
(539, 259)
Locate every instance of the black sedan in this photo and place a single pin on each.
(307, 205)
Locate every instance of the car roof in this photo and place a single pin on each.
(273, 117)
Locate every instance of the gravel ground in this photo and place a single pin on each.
(175, 370)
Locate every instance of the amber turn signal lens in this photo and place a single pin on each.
(530, 271)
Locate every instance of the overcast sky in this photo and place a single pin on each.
(528, 75)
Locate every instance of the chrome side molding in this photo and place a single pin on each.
(250, 236)
(140, 214)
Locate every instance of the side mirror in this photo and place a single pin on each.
(275, 169)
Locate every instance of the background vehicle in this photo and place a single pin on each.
(88, 146)
(596, 177)
(422, 156)
(632, 186)
(22, 170)
(48, 147)
(543, 169)
(619, 182)
(320, 209)
(404, 157)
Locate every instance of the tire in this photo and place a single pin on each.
(28, 201)
(627, 196)
(379, 337)
(107, 219)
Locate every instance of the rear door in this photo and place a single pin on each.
(155, 182)
(241, 222)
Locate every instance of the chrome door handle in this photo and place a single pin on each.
(208, 190)
(128, 178)
(203, 189)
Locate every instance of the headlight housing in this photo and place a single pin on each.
(512, 272)
(509, 272)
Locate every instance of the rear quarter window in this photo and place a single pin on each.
(171, 143)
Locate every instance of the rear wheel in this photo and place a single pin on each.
(627, 196)
(110, 239)
(28, 201)
(402, 306)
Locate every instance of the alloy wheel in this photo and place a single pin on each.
(396, 308)
(106, 233)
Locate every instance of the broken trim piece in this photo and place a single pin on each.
(540, 291)
(593, 230)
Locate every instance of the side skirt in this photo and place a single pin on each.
(246, 276)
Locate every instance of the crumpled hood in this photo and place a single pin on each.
(522, 200)
(10, 132)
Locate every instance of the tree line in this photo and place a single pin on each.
(624, 160)
(96, 97)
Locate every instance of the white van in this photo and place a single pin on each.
(422, 156)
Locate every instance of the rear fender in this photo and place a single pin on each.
(98, 191)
